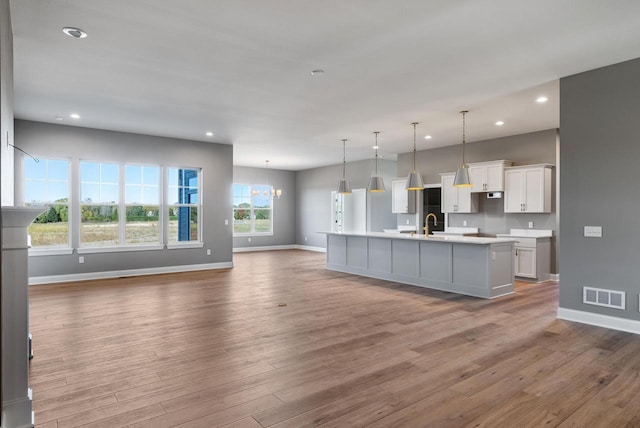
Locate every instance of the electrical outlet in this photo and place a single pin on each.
(407, 221)
(464, 222)
(208, 252)
(248, 239)
(493, 255)
(226, 222)
(81, 259)
(305, 239)
(530, 225)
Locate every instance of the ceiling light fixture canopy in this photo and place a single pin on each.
(376, 183)
(343, 185)
(414, 181)
(74, 32)
(462, 174)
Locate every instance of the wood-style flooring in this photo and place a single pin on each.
(279, 341)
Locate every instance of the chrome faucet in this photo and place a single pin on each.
(426, 223)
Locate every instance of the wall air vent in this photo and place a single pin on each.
(602, 297)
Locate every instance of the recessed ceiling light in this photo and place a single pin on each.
(59, 117)
(499, 123)
(542, 99)
(427, 137)
(74, 32)
(74, 116)
(209, 134)
(375, 147)
(318, 72)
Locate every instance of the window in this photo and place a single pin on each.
(142, 205)
(47, 183)
(184, 204)
(99, 203)
(252, 209)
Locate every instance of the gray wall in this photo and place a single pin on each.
(284, 209)
(313, 198)
(6, 103)
(74, 143)
(524, 149)
(599, 179)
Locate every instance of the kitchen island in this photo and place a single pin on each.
(475, 266)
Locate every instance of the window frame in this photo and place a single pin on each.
(252, 212)
(199, 243)
(58, 249)
(125, 205)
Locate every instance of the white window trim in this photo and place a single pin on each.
(252, 215)
(120, 249)
(51, 251)
(46, 251)
(185, 244)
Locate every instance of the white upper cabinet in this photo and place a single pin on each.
(488, 176)
(403, 200)
(457, 199)
(528, 189)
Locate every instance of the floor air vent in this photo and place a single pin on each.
(601, 297)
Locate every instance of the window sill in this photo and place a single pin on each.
(94, 250)
(50, 252)
(185, 245)
(242, 235)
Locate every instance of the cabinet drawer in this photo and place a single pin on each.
(526, 242)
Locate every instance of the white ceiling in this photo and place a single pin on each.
(241, 68)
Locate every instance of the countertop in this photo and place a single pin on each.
(527, 233)
(420, 237)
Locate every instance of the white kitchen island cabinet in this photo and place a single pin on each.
(480, 267)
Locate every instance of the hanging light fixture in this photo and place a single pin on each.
(414, 181)
(343, 185)
(376, 183)
(275, 193)
(462, 174)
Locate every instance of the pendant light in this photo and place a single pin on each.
(343, 185)
(462, 174)
(414, 181)
(275, 193)
(376, 183)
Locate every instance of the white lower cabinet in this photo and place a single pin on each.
(532, 257)
(525, 262)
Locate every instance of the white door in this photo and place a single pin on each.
(478, 177)
(495, 178)
(449, 194)
(399, 197)
(533, 193)
(525, 262)
(513, 191)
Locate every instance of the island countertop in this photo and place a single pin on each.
(475, 266)
(480, 240)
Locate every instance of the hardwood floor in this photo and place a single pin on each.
(279, 341)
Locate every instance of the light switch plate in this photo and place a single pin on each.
(530, 225)
(593, 231)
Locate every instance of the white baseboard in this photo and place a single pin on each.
(264, 248)
(309, 248)
(554, 277)
(606, 321)
(129, 272)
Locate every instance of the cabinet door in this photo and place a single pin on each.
(478, 177)
(495, 178)
(400, 197)
(464, 200)
(449, 194)
(534, 190)
(525, 262)
(513, 191)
